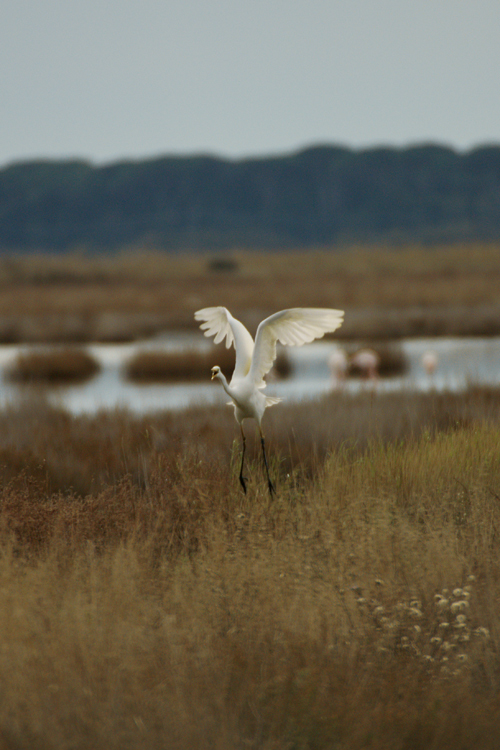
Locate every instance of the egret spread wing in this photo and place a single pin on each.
(220, 323)
(293, 327)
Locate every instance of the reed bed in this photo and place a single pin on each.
(146, 602)
(55, 367)
(153, 366)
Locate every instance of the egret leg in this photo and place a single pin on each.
(242, 478)
(269, 483)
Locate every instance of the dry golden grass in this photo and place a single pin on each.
(146, 602)
(88, 454)
(386, 292)
(54, 366)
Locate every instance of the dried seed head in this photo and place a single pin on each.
(392, 624)
(457, 592)
(483, 632)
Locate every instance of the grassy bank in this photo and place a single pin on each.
(146, 602)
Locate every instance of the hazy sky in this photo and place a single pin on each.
(107, 79)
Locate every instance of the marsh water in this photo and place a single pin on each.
(461, 362)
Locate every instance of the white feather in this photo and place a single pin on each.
(220, 323)
(293, 327)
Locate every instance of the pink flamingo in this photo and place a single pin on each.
(367, 361)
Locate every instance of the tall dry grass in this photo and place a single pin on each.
(146, 602)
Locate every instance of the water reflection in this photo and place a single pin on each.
(461, 362)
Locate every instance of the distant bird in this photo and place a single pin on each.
(367, 361)
(293, 327)
(429, 362)
(338, 363)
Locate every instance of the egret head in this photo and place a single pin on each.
(215, 371)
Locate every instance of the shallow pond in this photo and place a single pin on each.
(461, 362)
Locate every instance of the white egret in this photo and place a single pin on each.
(293, 327)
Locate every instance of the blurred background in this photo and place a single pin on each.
(157, 158)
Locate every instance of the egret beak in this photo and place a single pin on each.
(214, 373)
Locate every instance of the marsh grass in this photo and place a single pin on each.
(157, 606)
(55, 366)
(386, 292)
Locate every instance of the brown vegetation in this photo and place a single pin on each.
(54, 366)
(152, 366)
(387, 293)
(146, 602)
(159, 366)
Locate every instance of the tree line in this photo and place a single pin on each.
(323, 195)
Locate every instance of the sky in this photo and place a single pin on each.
(106, 80)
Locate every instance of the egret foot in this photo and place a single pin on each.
(243, 481)
(270, 485)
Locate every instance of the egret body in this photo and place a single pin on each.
(293, 327)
